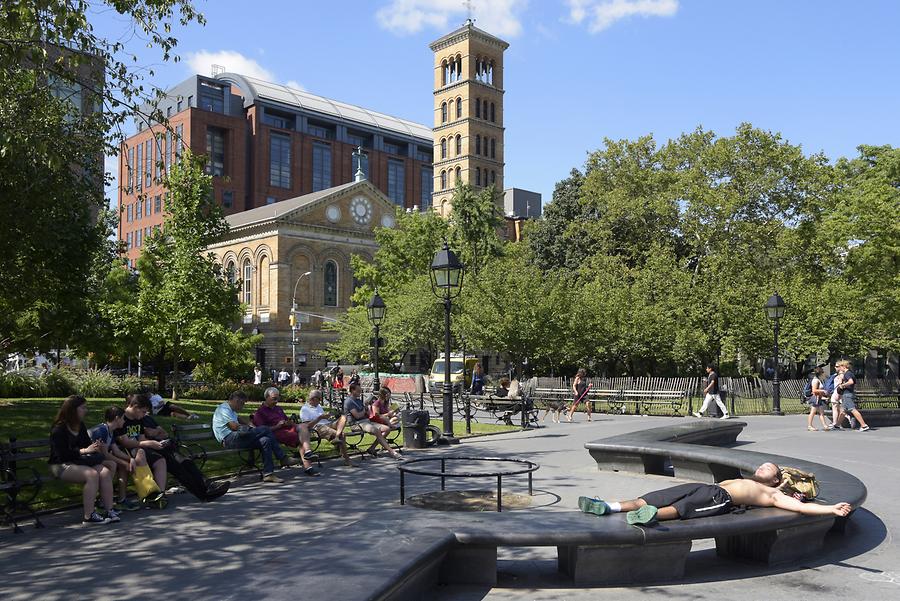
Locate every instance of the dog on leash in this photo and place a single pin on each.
(556, 408)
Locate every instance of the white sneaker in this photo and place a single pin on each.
(726, 416)
(696, 414)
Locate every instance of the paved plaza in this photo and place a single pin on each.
(310, 537)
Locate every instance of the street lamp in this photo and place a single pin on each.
(294, 327)
(376, 310)
(775, 311)
(446, 283)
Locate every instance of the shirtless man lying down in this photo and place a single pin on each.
(694, 500)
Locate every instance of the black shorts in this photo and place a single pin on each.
(692, 500)
(165, 410)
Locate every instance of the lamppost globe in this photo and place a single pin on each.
(446, 284)
(775, 308)
(376, 310)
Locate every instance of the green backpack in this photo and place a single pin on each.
(801, 485)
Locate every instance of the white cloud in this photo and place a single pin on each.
(292, 83)
(601, 14)
(499, 17)
(234, 62)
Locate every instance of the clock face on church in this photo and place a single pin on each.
(361, 210)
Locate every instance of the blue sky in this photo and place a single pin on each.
(823, 73)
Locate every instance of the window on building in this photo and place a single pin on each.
(423, 154)
(212, 97)
(227, 199)
(427, 177)
(478, 108)
(168, 149)
(147, 232)
(278, 119)
(493, 148)
(128, 241)
(443, 180)
(321, 164)
(148, 208)
(279, 160)
(331, 283)
(450, 111)
(477, 144)
(458, 176)
(178, 106)
(138, 236)
(157, 151)
(157, 204)
(148, 163)
(485, 108)
(477, 176)
(179, 140)
(395, 148)
(493, 115)
(396, 182)
(320, 130)
(130, 212)
(247, 270)
(458, 144)
(493, 177)
(139, 168)
(139, 209)
(129, 168)
(215, 150)
(443, 112)
(360, 161)
(70, 92)
(230, 275)
(459, 108)
(443, 148)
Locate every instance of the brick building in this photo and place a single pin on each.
(266, 143)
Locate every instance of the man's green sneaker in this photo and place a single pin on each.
(127, 505)
(641, 515)
(593, 505)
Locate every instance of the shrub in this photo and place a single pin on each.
(22, 384)
(223, 390)
(96, 383)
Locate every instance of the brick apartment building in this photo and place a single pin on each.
(266, 143)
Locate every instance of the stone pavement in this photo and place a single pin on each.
(300, 539)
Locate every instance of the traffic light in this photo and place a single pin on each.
(293, 319)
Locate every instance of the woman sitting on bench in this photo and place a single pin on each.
(74, 458)
(380, 410)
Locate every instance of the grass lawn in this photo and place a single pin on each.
(31, 418)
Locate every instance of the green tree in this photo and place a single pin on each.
(185, 307)
(65, 92)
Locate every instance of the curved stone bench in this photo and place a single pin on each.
(462, 549)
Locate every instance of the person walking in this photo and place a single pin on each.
(711, 393)
(580, 388)
(817, 400)
(847, 390)
(257, 375)
(478, 379)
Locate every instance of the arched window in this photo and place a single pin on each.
(331, 284)
(490, 73)
(493, 115)
(444, 73)
(477, 176)
(458, 67)
(458, 144)
(478, 108)
(443, 148)
(452, 71)
(443, 112)
(485, 106)
(493, 177)
(450, 109)
(493, 148)
(443, 180)
(459, 108)
(248, 275)
(477, 144)
(458, 175)
(230, 273)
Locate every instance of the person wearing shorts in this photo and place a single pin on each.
(817, 401)
(689, 501)
(166, 408)
(847, 390)
(312, 414)
(356, 413)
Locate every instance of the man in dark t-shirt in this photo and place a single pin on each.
(131, 437)
(711, 393)
(847, 390)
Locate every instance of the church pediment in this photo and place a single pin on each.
(357, 206)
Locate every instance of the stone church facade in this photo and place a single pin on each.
(270, 249)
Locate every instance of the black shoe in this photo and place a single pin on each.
(310, 456)
(215, 490)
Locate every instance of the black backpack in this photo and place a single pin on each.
(807, 390)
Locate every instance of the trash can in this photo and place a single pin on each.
(415, 422)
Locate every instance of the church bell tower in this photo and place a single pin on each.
(468, 112)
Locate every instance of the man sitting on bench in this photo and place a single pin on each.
(695, 500)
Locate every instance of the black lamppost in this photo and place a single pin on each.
(446, 283)
(376, 310)
(775, 311)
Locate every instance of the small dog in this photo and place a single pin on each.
(555, 407)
